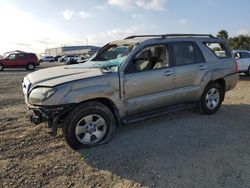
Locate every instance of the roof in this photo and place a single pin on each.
(235, 51)
(177, 35)
(142, 38)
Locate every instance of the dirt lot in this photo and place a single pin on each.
(183, 149)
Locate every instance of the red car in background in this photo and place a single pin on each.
(17, 60)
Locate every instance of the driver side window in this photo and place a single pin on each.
(153, 57)
(12, 57)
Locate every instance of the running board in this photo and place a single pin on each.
(156, 113)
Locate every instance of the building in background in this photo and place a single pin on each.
(71, 50)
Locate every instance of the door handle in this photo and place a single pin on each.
(168, 73)
(202, 67)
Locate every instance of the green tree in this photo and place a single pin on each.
(241, 42)
(223, 34)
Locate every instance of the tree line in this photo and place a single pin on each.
(241, 42)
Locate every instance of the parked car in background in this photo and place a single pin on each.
(65, 58)
(71, 60)
(57, 57)
(16, 60)
(83, 60)
(152, 75)
(76, 60)
(47, 59)
(243, 59)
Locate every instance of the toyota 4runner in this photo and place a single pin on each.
(130, 80)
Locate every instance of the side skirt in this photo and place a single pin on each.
(157, 113)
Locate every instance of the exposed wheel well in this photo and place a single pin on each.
(2, 66)
(110, 105)
(31, 63)
(222, 84)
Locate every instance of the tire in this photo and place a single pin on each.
(81, 129)
(31, 66)
(1, 67)
(248, 71)
(211, 99)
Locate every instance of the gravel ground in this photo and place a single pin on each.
(183, 149)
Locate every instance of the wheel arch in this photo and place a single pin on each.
(2, 65)
(109, 104)
(222, 84)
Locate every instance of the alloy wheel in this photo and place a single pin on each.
(90, 129)
(212, 98)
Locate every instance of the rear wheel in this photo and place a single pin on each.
(90, 124)
(31, 66)
(248, 71)
(1, 67)
(211, 99)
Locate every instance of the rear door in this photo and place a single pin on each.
(190, 67)
(21, 60)
(149, 80)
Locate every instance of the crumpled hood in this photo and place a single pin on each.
(62, 74)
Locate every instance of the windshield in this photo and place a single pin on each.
(113, 51)
(109, 57)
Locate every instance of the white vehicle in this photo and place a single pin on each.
(65, 58)
(47, 59)
(243, 59)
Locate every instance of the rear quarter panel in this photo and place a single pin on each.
(216, 67)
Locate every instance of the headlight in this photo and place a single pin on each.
(41, 94)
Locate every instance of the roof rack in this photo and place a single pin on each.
(172, 35)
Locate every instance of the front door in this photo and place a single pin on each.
(149, 80)
(10, 61)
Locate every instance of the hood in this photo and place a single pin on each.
(62, 74)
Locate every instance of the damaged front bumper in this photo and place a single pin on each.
(54, 116)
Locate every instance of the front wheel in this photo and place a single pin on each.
(248, 71)
(211, 99)
(88, 125)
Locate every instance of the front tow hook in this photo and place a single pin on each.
(35, 119)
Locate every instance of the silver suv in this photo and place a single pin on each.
(130, 80)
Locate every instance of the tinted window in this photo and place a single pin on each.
(244, 55)
(184, 53)
(20, 56)
(199, 58)
(219, 49)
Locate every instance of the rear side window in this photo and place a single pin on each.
(21, 56)
(186, 53)
(31, 56)
(219, 49)
(244, 55)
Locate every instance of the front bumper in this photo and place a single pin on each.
(54, 116)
